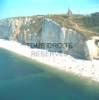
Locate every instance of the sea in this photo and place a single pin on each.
(24, 79)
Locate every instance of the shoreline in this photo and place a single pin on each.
(83, 68)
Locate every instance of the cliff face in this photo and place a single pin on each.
(44, 33)
(5, 29)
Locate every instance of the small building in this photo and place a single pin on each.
(69, 13)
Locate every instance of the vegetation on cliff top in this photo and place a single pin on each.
(87, 25)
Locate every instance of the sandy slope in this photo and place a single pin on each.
(64, 62)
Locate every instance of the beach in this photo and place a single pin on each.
(85, 68)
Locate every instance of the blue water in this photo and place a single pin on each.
(23, 79)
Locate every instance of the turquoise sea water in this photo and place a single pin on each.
(23, 79)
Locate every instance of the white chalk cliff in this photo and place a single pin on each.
(43, 30)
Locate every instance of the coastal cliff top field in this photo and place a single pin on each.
(88, 25)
